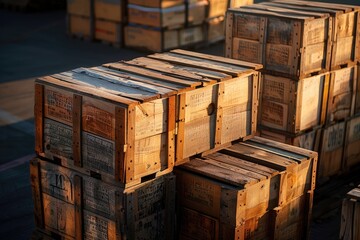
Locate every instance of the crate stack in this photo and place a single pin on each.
(99, 20)
(310, 88)
(350, 215)
(108, 137)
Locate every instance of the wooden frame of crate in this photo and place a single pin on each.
(127, 130)
(75, 206)
(302, 48)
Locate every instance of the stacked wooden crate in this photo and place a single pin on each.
(108, 137)
(257, 189)
(309, 51)
(162, 25)
(350, 216)
(97, 20)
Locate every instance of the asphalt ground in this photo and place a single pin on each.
(34, 44)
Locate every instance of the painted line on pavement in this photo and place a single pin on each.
(16, 162)
(17, 123)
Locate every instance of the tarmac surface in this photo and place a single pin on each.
(36, 44)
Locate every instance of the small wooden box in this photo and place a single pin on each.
(287, 42)
(293, 106)
(121, 120)
(331, 151)
(90, 208)
(309, 139)
(342, 93)
(345, 25)
(350, 215)
(170, 18)
(352, 143)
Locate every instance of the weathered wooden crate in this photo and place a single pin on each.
(287, 42)
(309, 139)
(350, 215)
(74, 205)
(215, 30)
(80, 27)
(293, 106)
(342, 93)
(233, 197)
(345, 25)
(80, 7)
(120, 120)
(331, 151)
(351, 155)
(298, 166)
(196, 12)
(190, 36)
(109, 32)
(357, 93)
(170, 17)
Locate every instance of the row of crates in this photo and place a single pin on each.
(150, 25)
(310, 86)
(164, 147)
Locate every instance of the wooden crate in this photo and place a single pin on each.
(109, 32)
(350, 216)
(189, 36)
(331, 151)
(293, 106)
(287, 42)
(113, 10)
(341, 102)
(196, 12)
(120, 120)
(92, 209)
(309, 139)
(298, 166)
(154, 40)
(233, 197)
(357, 92)
(345, 25)
(80, 27)
(171, 17)
(217, 8)
(82, 8)
(351, 153)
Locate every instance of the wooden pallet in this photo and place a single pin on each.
(290, 43)
(90, 208)
(121, 121)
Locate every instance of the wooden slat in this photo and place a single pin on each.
(78, 207)
(294, 6)
(171, 131)
(229, 34)
(180, 129)
(39, 118)
(354, 194)
(35, 179)
(148, 73)
(255, 102)
(218, 59)
(206, 64)
(129, 161)
(120, 143)
(266, 13)
(219, 114)
(281, 9)
(77, 130)
(344, 7)
(98, 94)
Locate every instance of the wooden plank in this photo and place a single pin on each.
(37, 193)
(354, 194)
(78, 207)
(302, 7)
(180, 129)
(120, 143)
(218, 59)
(255, 101)
(229, 34)
(171, 109)
(148, 73)
(39, 116)
(77, 127)
(129, 160)
(219, 114)
(266, 13)
(206, 64)
(334, 6)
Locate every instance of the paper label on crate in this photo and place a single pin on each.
(247, 26)
(58, 182)
(343, 80)
(58, 105)
(99, 196)
(334, 137)
(247, 50)
(98, 121)
(354, 130)
(98, 154)
(280, 31)
(58, 139)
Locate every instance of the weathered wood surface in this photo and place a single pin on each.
(350, 215)
(91, 208)
(351, 155)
